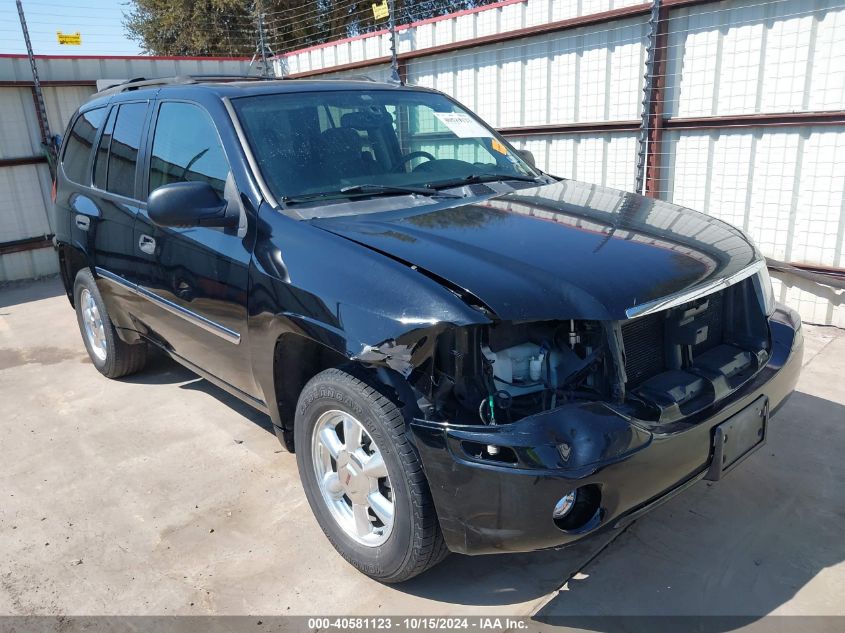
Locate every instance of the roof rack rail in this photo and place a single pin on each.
(359, 77)
(142, 82)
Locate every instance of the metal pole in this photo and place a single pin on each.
(262, 43)
(40, 109)
(394, 61)
(648, 93)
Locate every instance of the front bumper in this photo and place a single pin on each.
(486, 506)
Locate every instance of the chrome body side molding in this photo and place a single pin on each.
(192, 317)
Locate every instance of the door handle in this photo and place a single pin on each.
(147, 244)
(82, 221)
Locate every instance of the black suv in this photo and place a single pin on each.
(466, 353)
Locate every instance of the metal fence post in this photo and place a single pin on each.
(395, 76)
(262, 47)
(651, 125)
(40, 109)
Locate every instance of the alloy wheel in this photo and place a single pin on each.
(93, 324)
(352, 478)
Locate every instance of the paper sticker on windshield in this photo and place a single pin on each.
(463, 125)
(498, 146)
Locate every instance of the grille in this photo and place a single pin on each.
(644, 341)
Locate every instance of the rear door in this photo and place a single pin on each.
(103, 210)
(196, 278)
(74, 175)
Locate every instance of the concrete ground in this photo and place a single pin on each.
(160, 494)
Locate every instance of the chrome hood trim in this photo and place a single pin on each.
(695, 293)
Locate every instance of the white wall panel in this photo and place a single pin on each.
(564, 82)
(747, 56)
(534, 95)
(19, 132)
(376, 73)
(28, 264)
(88, 68)
(607, 159)
(827, 71)
(25, 202)
(510, 93)
(487, 23)
(62, 102)
(465, 26)
(783, 186)
(591, 74)
(500, 18)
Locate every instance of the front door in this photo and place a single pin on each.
(195, 278)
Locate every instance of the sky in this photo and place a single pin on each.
(100, 22)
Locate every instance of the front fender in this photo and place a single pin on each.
(354, 303)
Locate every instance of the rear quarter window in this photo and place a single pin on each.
(79, 143)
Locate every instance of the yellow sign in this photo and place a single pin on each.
(72, 39)
(380, 11)
(499, 146)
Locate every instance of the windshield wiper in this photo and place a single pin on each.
(422, 191)
(486, 177)
(368, 190)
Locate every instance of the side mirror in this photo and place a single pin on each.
(188, 204)
(527, 156)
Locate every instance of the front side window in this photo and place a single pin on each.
(186, 148)
(79, 143)
(322, 143)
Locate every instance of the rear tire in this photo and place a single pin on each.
(363, 478)
(110, 354)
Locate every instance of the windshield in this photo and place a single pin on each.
(324, 146)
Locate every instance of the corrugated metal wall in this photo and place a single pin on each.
(736, 58)
(25, 188)
(746, 58)
(467, 25)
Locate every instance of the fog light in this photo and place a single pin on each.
(563, 506)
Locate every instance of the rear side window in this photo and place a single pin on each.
(79, 143)
(186, 148)
(117, 153)
(123, 152)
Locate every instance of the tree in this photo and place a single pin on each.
(191, 27)
(229, 27)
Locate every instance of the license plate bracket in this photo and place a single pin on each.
(738, 436)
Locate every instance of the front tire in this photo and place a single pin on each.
(363, 478)
(111, 356)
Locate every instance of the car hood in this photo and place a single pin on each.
(558, 251)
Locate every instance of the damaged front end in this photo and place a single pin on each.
(534, 433)
(658, 368)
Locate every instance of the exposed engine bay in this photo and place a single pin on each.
(658, 368)
(500, 373)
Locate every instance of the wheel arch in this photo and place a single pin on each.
(297, 359)
(71, 261)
